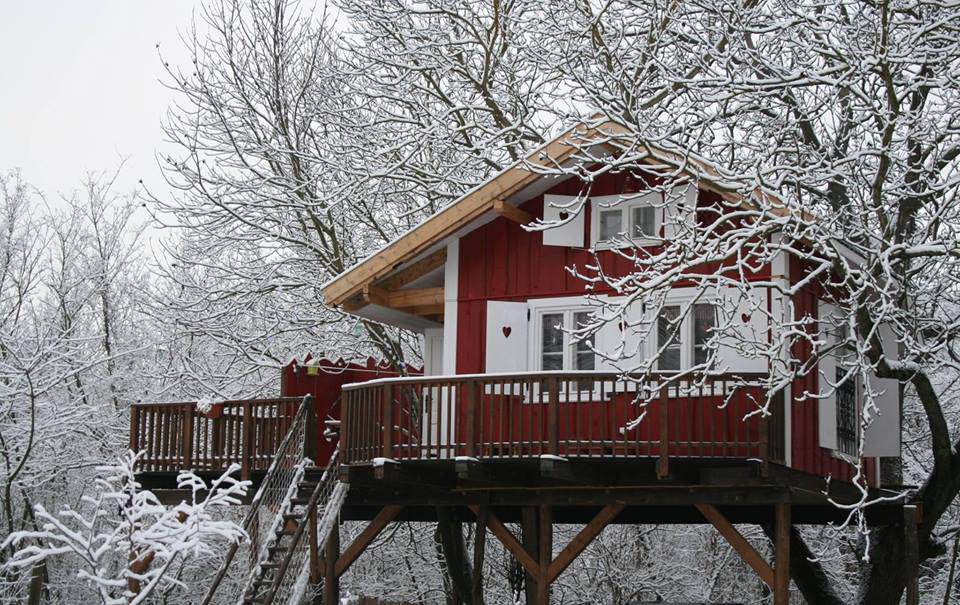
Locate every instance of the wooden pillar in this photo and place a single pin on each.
(331, 552)
(781, 570)
(911, 554)
(546, 554)
(531, 543)
(479, 551)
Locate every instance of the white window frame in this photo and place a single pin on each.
(686, 302)
(625, 203)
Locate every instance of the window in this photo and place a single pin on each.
(559, 350)
(668, 338)
(704, 322)
(615, 219)
(846, 414)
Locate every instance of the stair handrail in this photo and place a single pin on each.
(329, 477)
(300, 419)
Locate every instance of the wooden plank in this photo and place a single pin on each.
(511, 212)
(331, 553)
(415, 297)
(733, 537)
(509, 541)
(663, 464)
(583, 539)
(781, 571)
(368, 535)
(415, 271)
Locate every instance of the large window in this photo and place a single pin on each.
(558, 349)
(846, 414)
(669, 339)
(619, 222)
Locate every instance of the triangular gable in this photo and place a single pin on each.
(351, 288)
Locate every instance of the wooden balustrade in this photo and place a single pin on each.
(564, 414)
(176, 436)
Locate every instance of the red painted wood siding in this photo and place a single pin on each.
(807, 454)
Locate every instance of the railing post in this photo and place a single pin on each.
(188, 438)
(134, 428)
(387, 415)
(247, 458)
(663, 464)
(310, 428)
(470, 409)
(553, 405)
(764, 453)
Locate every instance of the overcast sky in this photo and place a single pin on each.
(80, 87)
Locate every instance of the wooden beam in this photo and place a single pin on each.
(331, 553)
(583, 539)
(511, 212)
(546, 554)
(509, 541)
(735, 539)
(531, 543)
(415, 271)
(368, 535)
(781, 570)
(479, 551)
(402, 299)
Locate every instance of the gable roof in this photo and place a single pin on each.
(427, 237)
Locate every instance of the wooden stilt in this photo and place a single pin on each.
(781, 570)
(479, 547)
(368, 535)
(531, 541)
(911, 554)
(733, 537)
(331, 581)
(546, 554)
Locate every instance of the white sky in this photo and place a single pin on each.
(80, 87)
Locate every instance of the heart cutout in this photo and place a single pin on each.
(506, 331)
(745, 317)
(564, 215)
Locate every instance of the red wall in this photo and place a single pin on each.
(807, 454)
(323, 380)
(501, 261)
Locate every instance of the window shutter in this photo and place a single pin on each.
(617, 333)
(882, 436)
(506, 337)
(560, 207)
(827, 370)
(747, 316)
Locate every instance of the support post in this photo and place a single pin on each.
(553, 406)
(479, 551)
(311, 430)
(188, 438)
(764, 446)
(331, 552)
(531, 541)
(247, 441)
(911, 554)
(134, 428)
(781, 570)
(546, 554)
(663, 464)
(387, 404)
(470, 409)
(314, 548)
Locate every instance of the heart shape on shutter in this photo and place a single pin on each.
(563, 215)
(745, 317)
(506, 331)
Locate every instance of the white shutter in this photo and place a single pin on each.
(747, 318)
(827, 370)
(679, 206)
(506, 337)
(560, 207)
(882, 435)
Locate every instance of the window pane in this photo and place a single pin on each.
(704, 321)
(610, 224)
(642, 220)
(668, 332)
(552, 361)
(846, 414)
(552, 333)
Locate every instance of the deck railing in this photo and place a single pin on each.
(177, 436)
(581, 414)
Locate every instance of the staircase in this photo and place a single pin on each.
(290, 517)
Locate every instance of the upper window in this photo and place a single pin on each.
(619, 221)
(559, 350)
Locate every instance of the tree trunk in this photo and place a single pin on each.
(458, 568)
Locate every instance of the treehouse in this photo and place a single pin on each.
(516, 419)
